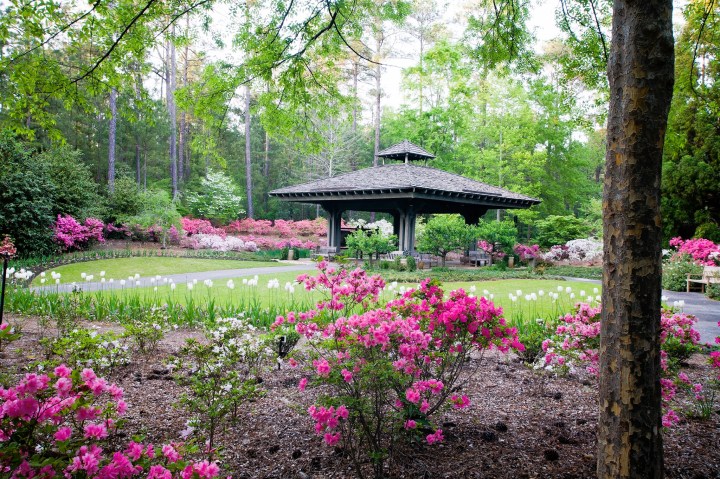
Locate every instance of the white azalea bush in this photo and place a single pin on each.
(222, 373)
(219, 243)
(587, 250)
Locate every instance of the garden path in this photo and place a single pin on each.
(706, 310)
(181, 278)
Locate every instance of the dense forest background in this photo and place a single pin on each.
(151, 97)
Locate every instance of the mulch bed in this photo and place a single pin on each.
(522, 424)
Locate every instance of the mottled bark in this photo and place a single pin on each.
(640, 72)
(112, 130)
(248, 163)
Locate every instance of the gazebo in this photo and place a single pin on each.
(403, 190)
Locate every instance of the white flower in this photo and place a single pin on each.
(541, 293)
(102, 280)
(663, 298)
(194, 281)
(42, 275)
(208, 283)
(560, 288)
(568, 289)
(155, 289)
(572, 295)
(472, 288)
(89, 277)
(137, 276)
(518, 293)
(597, 298)
(42, 281)
(595, 290)
(172, 286)
(190, 286)
(83, 275)
(230, 284)
(244, 281)
(122, 282)
(102, 273)
(582, 292)
(57, 281)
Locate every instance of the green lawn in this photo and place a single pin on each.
(221, 294)
(120, 268)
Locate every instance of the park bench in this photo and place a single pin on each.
(479, 258)
(327, 252)
(710, 275)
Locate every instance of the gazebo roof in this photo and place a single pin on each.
(405, 150)
(404, 181)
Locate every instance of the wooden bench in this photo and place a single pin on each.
(479, 258)
(710, 275)
(327, 252)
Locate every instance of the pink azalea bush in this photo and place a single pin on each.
(63, 424)
(71, 235)
(389, 368)
(703, 251)
(193, 226)
(527, 253)
(317, 227)
(576, 343)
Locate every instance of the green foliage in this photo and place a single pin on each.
(125, 201)
(26, 198)
(675, 271)
(156, 209)
(83, 348)
(709, 231)
(503, 232)
(75, 190)
(444, 234)
(147, 330)
(712, 291)
(370, 242)
(217, 200)
(691, 157)
(558, 230)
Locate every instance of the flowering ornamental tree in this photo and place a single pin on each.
(61, 424)
(703, 251)
(390, 368)
(71, 235)
(577, 339)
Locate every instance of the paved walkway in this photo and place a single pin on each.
(144, 282)
(706, 310)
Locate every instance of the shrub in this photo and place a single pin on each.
(502, 232)
(555, 230)
(703, 251)
(65, 423)
(26, 199)
(444, 234)
(81, 348)
(675, 271)
(388, 370)
(223, 375)
(73, 236)
(712, 291)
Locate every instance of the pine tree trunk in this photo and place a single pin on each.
(183, 115)
(138, 98)
(248, 164)
(112, 130)
(172, 66)
(640, 72)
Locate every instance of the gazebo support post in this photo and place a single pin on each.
(408, 243)
(472, 218)
(334, 232)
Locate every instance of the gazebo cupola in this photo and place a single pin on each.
(403, 190)
(405, 152)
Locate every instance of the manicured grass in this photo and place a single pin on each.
(121, 268)
(221, 294)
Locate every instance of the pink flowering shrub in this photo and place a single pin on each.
(71, 235)
(63, 424)
(527, 253)
(715, 357)
(388, 369)
(193, 226)
(577, 340)
(703, 251)
(317, 227)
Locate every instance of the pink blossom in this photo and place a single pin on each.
(303, 384)
(342, 412)
(347, 375)
(63, 371)
(410, 424)
(412, 395)
(62, 434)
(331, 439)
(95, 431)
(170, 453)
(437, 436)
(322, 366)
(159, 472)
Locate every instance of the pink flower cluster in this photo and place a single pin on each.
(54, 425)
(327, 421)
(7, 248)
(715, 357)
(71, 235)
(194, 226)
(703, 251)
(527, 252)
(281, 228)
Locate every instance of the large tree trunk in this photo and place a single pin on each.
(183, 115)
(112, 130)
(641, 80)
(138, 98)
(172, 66)
(248, 164)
